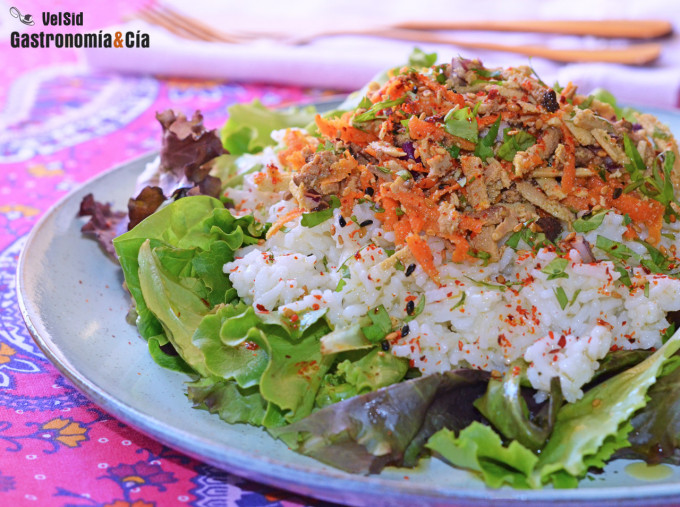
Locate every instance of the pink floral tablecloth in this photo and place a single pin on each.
(61, 124)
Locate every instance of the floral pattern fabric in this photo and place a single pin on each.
(61, 124)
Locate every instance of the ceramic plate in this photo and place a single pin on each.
(74, 306)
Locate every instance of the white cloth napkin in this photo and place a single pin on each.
(347, 62)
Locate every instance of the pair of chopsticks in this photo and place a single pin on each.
(427, 32)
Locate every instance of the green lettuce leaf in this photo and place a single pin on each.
(191, 239)
(249, 127)
(374, 370)
(505, 407)
(283, 360)
(365, 433)
(480, 449)
(178, 309)
(588, 431)
(232, 403)
(656, 428)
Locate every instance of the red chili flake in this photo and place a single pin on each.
(460, 345)
(516, 371)
(562, 341)
(410, 298)
(318, 296)
(555, 358)
(604, 323)
(411, 363)
(315, 306)
(449, 294)
(261, 308)
(294, 317)
(251, 345)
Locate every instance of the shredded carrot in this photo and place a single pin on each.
(468, 223)
(338, 128)
(569, 171)
(421, 251)
(648, 212)
(487, 120)
(461, 247)
(401, 229)
(419, 129)
(291, 215)
(630, 233)
(295, 142)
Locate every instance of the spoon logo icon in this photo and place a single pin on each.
(26, 20)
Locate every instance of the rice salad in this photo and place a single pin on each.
(457, 260)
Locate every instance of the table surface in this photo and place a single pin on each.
(60, 125)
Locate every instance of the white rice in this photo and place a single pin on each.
(299, 269)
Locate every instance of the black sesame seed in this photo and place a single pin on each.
(617, 192)
(365, 223)
(385, 345)
(405, 330)
(409, 271)
(410, 307)
(342, 221)
(369, 191)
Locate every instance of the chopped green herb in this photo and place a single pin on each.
(626, 219)
(384, 170)
(417, 311)
(484, 148)
(561, 296)
(453, 150)
(555, 268)
(636, 167)
(646, 291)
(485, 256)
(314, 218)
(521, 141)
(399, 266)
(586, 103)
(488, 73)
(660, 134)
(670, 331)
(365, 103)
(372, 112)
(461, 123)
(538, 78)
(341, 284)
(488, 285)
(589, 223)
(535, 240)
(398, 211)
(614, 248)
(460, 302)
(602, 174)
(558, 89)
(381, 324)
(404, 174)
(573, 298)
(625, 276)
(419, 58)
(327, 146)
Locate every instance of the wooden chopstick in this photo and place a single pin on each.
(634, 54)
(611, 28)
(190, 28)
